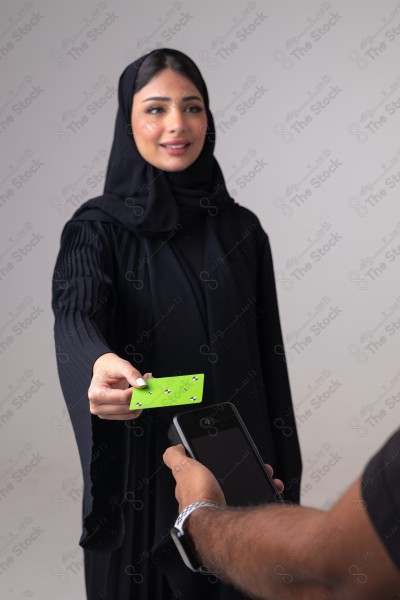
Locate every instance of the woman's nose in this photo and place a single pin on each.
(176, 121)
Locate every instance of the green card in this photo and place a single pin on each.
(168, 391)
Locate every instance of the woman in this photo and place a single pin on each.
(162, 273)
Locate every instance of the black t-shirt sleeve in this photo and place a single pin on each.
(381, 493)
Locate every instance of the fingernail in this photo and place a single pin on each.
(151, 376)
(141, 382)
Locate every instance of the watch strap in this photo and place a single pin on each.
(180, 521)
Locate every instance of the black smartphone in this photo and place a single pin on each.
(217, 437)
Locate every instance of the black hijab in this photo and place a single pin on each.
(144, 198)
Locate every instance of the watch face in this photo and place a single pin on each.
(186, 549)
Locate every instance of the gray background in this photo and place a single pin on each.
(306, 98)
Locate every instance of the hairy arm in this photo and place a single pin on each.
(286, 551)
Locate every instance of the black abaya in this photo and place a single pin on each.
(176, 291)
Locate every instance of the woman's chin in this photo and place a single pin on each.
(175, 165)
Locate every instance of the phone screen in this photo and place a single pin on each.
(230, 457)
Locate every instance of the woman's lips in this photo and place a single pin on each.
(176, 148)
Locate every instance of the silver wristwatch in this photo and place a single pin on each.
(182, 541)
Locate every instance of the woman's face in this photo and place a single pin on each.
(169, 121)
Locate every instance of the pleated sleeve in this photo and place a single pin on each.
(276, 376)
(83, 304)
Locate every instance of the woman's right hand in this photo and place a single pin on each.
(111, 388)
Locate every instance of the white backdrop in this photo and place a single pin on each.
(306, 99)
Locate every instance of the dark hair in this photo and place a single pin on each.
(166, 58)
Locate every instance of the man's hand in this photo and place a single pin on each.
(194, 482)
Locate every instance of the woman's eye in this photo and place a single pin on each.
(157, 110)
(154, 110)
(194, 109)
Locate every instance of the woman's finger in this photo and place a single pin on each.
(133, 414)
(106, 395)
(110, 366)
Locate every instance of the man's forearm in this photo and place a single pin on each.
(290, 551)
(276, 551)
(271, 552)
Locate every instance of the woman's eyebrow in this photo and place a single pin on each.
(167, 99)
